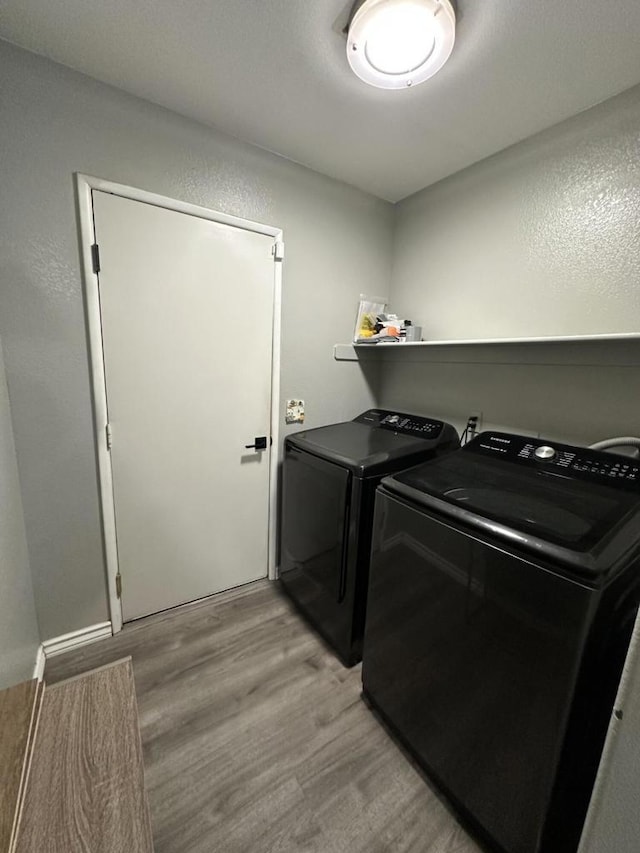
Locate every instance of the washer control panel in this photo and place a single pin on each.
(401, 423)
(563, 459)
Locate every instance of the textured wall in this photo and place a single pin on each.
(567, 392)
(55, 122)
(540, 239)
(19, 638)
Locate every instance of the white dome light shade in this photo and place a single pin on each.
(394, 44)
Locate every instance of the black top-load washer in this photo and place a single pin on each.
(505, 579)
(328, 488)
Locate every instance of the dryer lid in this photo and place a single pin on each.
(377, 442)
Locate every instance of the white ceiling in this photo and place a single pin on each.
(274, 73)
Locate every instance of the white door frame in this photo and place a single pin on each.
(85, 184)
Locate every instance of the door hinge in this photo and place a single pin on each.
(278, 251)
(108, 435)
(119, 585)
(95, 257)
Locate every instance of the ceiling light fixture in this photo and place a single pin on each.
(395, 44)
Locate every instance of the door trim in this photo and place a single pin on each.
(85, 184)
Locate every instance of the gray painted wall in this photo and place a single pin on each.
(19, 637)
(55, 122)
(573, 393)
(540, 239)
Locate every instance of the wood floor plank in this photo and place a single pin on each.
(33, 733)
(86, 788)
(18, 715)
(256, 739)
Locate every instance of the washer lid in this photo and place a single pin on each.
(587, 524)
(369, 450)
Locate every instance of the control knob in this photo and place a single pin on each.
(544, 452)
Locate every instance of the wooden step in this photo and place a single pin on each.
(19, 711)
(86, 786)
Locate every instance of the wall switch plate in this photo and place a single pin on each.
(295, 412)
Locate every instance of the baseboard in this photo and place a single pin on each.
(67, 642)
(38, 669)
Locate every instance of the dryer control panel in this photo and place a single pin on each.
(401, 423)
(581, 463)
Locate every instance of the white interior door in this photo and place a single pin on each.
(187, 309)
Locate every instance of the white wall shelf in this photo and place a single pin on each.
(621, 349)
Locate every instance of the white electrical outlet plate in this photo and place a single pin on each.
(295, 412)
(478, 415)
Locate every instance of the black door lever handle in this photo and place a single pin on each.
(260, 443)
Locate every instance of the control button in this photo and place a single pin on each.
(545, 452)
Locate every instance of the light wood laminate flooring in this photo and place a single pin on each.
(256, 740)
(19, 709)
(86, 790)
